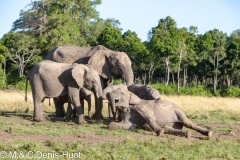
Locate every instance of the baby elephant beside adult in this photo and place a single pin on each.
(51, 79)
(160, 117)
(106, 62)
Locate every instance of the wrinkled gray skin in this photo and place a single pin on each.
(145, 92)
(51, 79)
(85, 94)
(106, 62)
(108, 89)
(142, 91)
(160, 117)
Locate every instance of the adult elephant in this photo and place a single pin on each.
(51, 79)
(106, 62)
(160, 117)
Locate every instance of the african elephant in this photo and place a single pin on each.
(85, 94)
(108, 89)
(145, 92)
(106, 62)
(142, 91)
(160, 117)
(51, 79)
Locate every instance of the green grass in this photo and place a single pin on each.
(126, 147)
(19, 133)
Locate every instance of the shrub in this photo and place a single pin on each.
(17, 82)
(231, 92)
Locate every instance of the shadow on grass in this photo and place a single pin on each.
(50, 117)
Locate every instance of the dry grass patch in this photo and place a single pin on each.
(14, 100)
(198, 103)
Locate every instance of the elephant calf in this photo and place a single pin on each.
(52, 79)
(160, 117)
(142, 91)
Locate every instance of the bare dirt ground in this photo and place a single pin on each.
(220, 131)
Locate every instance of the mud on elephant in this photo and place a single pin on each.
(51, 79)
(161, 117)
(106, 62)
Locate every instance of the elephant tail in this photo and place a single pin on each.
(26, 88)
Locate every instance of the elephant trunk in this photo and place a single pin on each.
(111, 100)
(128, 77)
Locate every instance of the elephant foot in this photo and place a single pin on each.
(97, 116)
(160, 132)
(38, 119)
(188, 134)
(82, 121)
(112, 126)
(66, 119)
(210, 133)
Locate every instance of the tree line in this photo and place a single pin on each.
(173, 55)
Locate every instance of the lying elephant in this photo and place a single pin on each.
(160, 117)
(145, 92)
(85, 94)
(51, 79)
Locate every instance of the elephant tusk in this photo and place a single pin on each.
(116, 99)
(97, 95)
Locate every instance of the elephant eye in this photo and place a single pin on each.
(93, 81)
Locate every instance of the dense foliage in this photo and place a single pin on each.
(172, 56)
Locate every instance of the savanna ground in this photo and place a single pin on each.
(20, 135)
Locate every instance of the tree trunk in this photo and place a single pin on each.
(167, 71)
(178, 73)
(184, 77)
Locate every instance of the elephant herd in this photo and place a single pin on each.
(69, 74)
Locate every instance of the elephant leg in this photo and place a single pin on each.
(149, 117)
(74, 99)
(59, 107)
(70, 110)
(88, 99)
(177, 132)
(110, 114)
(74, 113)
(38, 110)
(82, 104)
(189, 124)
(98, 107)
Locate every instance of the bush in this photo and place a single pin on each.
(17, 82)
(171, 89)
(230, 92)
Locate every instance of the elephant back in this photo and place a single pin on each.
(72, 54)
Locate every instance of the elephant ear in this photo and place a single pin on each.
(100, 62)
(78, 72)
(134, 99)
